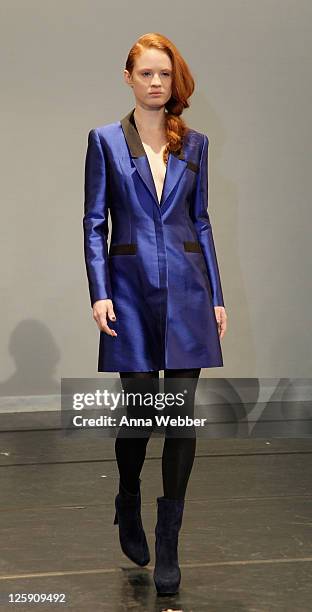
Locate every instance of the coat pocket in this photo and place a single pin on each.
(123, 249)
(192, 247)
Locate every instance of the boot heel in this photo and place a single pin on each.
(115, 519)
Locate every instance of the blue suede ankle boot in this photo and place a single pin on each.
(167, 574)
(131, 533)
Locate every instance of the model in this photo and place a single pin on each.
(155, 293)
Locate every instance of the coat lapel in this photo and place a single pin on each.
(175, 167)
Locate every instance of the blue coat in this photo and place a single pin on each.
(161, 268)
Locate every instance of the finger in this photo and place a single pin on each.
(223, 329)
(219, 325)
(104, 327)
(108, 330)
(111, 314)
(112, 317)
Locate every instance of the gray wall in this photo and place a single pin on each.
(61, 66)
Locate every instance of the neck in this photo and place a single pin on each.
(149, 120)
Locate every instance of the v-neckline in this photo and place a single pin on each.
(163, 185)
(132, 119)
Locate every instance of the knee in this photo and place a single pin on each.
(182, 431)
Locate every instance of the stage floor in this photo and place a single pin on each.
(245, 544)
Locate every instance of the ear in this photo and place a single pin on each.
(127, 77)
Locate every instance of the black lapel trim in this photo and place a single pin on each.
(133, 137)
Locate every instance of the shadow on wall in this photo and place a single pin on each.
(36, 355)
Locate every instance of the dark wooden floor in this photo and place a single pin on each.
(245, 542)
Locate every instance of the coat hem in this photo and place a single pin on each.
(160, 369)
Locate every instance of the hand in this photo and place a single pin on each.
(102, 308)
(221, 317)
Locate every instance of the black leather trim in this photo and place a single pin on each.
(192, 247)
(123, 249)
(192, 166)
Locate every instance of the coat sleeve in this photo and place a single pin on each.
(95, 221)
(200, 218)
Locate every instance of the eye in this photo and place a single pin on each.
(147, 72)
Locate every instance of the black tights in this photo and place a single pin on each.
(178, 452)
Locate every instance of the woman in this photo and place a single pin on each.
(158, 285)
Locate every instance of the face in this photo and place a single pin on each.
(152, 74)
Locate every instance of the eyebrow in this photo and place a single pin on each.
(167, 69)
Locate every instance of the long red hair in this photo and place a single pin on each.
(182, 86)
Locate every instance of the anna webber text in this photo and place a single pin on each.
(160, 420)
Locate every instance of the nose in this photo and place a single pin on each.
(156, 81)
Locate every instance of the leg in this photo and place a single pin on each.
(130, 451)
(177, 460)
(130, 454)
(178, 451)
